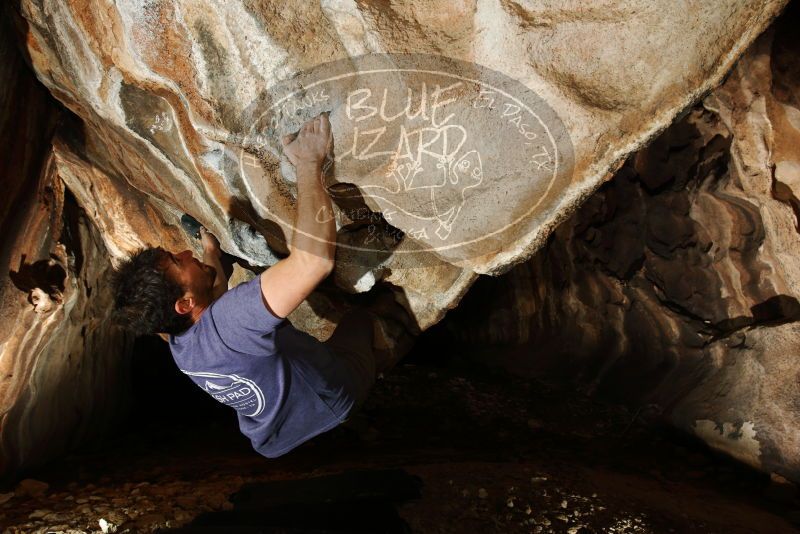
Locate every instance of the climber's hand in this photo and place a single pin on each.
(212, 256)
(210, 242)
(311, 144)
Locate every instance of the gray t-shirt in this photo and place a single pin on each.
(286, 386)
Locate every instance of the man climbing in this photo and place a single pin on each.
(237, 345)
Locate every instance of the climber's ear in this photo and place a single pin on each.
(184, 305)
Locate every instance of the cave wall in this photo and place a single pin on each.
(62, 369)
(165, 90)
(675, 287)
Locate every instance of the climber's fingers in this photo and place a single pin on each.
(324, 124)
(318, 124)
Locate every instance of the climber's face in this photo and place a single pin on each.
(196, 279)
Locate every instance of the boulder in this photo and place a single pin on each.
(183, 104)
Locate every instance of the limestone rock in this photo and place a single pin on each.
(65, 380)
(677, 284)
(166, 90)
(60, 364)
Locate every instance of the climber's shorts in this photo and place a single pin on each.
(352, 345)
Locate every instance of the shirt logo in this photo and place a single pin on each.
(239, 393)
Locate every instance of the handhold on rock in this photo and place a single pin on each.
(191, 225)
(42, 302)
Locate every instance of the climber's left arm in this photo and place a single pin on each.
(211, 256)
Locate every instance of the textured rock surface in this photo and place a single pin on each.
(677, 284)
(164, 86)
(64, 369)
(61, 367)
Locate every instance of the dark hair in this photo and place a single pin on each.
(144, 297)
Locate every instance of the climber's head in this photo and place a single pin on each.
(157, 291)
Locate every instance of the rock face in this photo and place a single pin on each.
(677, 284)
(62, 366)
(169, 91)
(181, 106)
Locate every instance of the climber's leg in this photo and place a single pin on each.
(352, 343)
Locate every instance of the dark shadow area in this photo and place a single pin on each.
(46, 275)
(353, 501)
(443, 442)
(167, 405)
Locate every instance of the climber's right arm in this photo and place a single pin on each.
(313, 245)
(285, 285)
